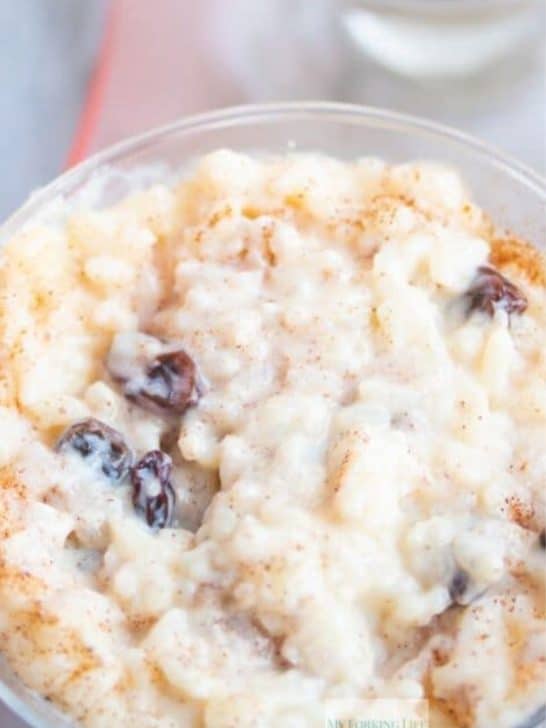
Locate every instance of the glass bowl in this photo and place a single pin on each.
(513, 195)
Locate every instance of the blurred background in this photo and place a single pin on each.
(77, 75)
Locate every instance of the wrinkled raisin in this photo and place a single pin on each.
(100, 445)
(153, 494)
(170, 385)
(463, 590)
(163, 382)
(491, 290)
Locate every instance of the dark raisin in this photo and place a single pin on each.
(153, 494)
(103, 447)
(458, 586)
(171, 383)
(491, 290)
(463, 590)
(542, 539)
(166, 385)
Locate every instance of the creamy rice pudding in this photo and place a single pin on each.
(272, 438)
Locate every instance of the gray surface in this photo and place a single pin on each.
(7, 720)
(47, 49)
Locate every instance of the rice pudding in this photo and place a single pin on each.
(270, 438)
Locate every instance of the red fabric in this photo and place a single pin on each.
(92, 108)
(158, 63)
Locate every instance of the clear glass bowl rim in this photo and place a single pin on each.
(269, 112)
(309, 111)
